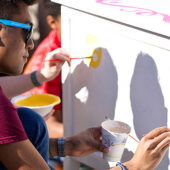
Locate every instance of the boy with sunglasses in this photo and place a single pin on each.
(17, 144)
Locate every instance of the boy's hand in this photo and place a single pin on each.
(85, 143)
(52, 68)
(151, 149)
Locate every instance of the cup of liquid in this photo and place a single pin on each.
(114, 137)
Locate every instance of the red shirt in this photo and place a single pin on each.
(11, 129)
(50, 43)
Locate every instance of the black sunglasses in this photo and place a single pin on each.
(27, 28)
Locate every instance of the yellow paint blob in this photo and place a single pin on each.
(96, 53)
(36, 100)
(91, 39)
(93, 49)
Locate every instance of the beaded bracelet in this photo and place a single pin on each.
(121, 165)
(60, 147)
(34, 79)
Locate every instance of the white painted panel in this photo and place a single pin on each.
(131, 83)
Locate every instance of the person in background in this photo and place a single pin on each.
(36, 62)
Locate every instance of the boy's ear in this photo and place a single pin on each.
(50, 21)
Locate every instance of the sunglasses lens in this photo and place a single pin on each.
(27, 34)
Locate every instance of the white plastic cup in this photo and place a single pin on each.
(114, 136)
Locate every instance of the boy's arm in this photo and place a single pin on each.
(148, 155)
(81, 144)
(21, 155)
(15, 85)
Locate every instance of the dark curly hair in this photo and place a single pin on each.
(52, 8)
(10, 7)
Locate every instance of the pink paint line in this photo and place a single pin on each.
(134, 138)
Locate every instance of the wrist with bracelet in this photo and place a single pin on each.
(61, 147)
(121, 166)
(34, 80)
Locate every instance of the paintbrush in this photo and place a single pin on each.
(70, 59)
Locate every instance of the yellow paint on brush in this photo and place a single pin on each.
(39, 100)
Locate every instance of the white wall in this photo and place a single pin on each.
(131, 83)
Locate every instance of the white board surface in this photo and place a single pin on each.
(131, 82)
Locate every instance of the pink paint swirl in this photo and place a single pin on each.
(136, 10)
